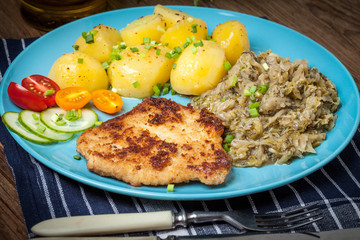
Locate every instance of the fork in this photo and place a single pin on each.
(162, 220)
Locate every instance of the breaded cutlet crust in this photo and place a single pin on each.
(158, 142)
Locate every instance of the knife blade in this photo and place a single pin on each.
(345, 234)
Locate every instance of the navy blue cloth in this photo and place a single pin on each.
(46, 194)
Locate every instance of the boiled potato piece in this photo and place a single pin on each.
(177, 34)
(139, 70)
(79, 69)
(150, 26)
(105, 38)
(232, 36)
(198, 72)
(170, 16)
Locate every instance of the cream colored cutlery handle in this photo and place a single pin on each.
(104, 224)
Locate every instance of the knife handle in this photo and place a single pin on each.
(104, 224)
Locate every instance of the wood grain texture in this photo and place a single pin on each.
(333, 24)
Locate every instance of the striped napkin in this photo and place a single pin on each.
(45, 194)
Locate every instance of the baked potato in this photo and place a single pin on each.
(79, 69)
(140, 68)
(198, 69)
(232, 36)
(150, 26)
(104, 38)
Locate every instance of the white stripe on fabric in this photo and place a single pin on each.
(86, 201)
(303, 205)
(44, 187)
(342, 192)
(228, 205)
(326, 201)
(23, 43)
(216, 226)
(6, 51)
(111, 201)
(348, 171)
(276, 202)
(137, 205)
(252, 204)
(61, 193)
(191, 227)
(355, 147)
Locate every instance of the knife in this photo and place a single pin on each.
(345, 234)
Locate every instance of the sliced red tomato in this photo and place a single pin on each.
(25, 99)
(43, 87)
(107, 101)
(72, 98)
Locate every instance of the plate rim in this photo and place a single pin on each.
(137, 192)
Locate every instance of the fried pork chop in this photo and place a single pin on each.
(158, 142)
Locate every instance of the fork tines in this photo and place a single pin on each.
(289, 219)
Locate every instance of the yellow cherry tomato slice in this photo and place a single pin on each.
(107, 101)
(72, 98)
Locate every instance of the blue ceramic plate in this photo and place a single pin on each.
(263, 34)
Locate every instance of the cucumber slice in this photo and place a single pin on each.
(10, 119)
(31, 121)
(49, 116)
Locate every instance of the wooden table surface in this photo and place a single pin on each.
(333, 24)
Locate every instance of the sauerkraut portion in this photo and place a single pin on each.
(294, 112)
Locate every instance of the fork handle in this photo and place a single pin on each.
(104, 224)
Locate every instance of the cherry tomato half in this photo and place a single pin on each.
(107, 101)
(72, 98)
(25, 99)
(43, 87)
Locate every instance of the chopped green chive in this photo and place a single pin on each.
(157, 90)
(174, 66)
(196, 99)
(166, 44)
(123, 45)
(253, 89)
(263, 88)
(80, 60)
(229, 138)
(75, 47)
(194, 50)
(40, 129)
(165, 91)
(170, 187)
(71, 115)
(234, 81)
(247, 93)
(134, 49)
(147, 47)
(136, 84)
(226, 147)
(98, 123)
(173, 92)
(146, 40)
(178, 49)
(49, 92)
(105, 65)
(142, 55)
(223, 99)
(35, 117)
(254, 105)
(77, 157)
(194, 28)
(89, 36)
(168, 55)
(253, 112)
(208, 37)
(199, 44)
(227, 65)
(158, 51)
(186, 44)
